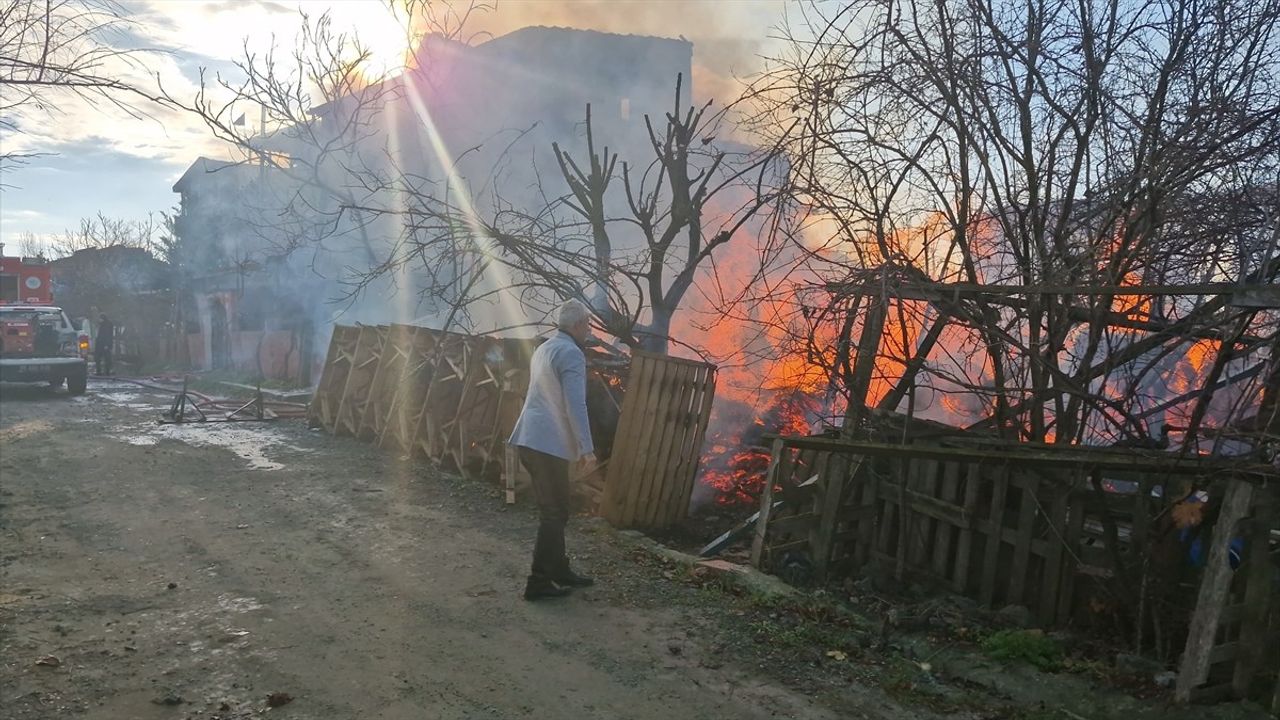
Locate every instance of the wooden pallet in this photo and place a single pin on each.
(655, 456)
(323, 410)
(454, 399)
(1004, 529)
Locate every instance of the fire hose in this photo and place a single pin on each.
(280, 408)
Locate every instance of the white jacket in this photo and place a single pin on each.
(554, 418)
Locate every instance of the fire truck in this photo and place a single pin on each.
(38, 342)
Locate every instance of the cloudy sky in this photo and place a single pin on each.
(103, 159)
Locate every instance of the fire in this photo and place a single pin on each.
(1137, 307)
(738, 460)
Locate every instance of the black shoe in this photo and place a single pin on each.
(573, 579)
(542, 589)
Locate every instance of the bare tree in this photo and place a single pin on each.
(29, 245)
(102, 232)
(54, 50)
(630, 236)
(1067, 150)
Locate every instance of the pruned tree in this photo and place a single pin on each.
(628, 235)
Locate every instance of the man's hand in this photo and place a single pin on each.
(587, 464)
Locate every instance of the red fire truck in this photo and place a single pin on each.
(38, 342)
(24, 281)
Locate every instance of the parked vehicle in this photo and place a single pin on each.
(39, 343)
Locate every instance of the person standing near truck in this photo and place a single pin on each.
(103, 344)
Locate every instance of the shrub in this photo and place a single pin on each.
(1030, 646)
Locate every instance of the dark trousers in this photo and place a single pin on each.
(101, 359)
(551, 489)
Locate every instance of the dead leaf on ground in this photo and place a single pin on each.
(49, 661)
(837, 655)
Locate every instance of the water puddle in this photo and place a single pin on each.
(251, 441)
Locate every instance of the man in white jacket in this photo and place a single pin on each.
(551, 433)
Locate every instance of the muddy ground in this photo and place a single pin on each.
(193, 571)
(154, 571)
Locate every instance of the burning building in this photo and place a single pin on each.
(241, 306)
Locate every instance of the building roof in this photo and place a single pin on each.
(533, 41)
(204, 166)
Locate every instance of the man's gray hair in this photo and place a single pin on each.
(571, 313)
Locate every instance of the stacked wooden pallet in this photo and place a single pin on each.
(448, 397)
(455, 398)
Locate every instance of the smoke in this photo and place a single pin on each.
(728, 36)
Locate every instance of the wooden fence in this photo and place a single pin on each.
(655, 455)
(431, 394)
(455, 398)
(1045, 530)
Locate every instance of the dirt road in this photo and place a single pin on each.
(190, 572)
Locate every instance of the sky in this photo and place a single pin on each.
(101, 159)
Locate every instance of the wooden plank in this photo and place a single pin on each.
(919, 478)
(865, 528)
(326, 379)
(459, 439)
(399, 386)
(701, 385)
(945, 533)
(347, 396)
(629, 419)
(964, 543)
(889, 505)
(423, 425)
(1258, 571)
(407, 401)
(1214, 586)
(801, 524)
(510, 466)
(345, 339)
(995, 518)
(1051, 580)
(631, 424)
(928, 506)
(1027, 513)
(659, 451)
(641, 460)
(1078, 457)
(822, 537)
(675, 418)
(623, 468)
(652, 453)
(766, 503)
(688, 470)
(364, 373)
(384, 380)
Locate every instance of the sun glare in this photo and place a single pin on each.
(381, 32)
